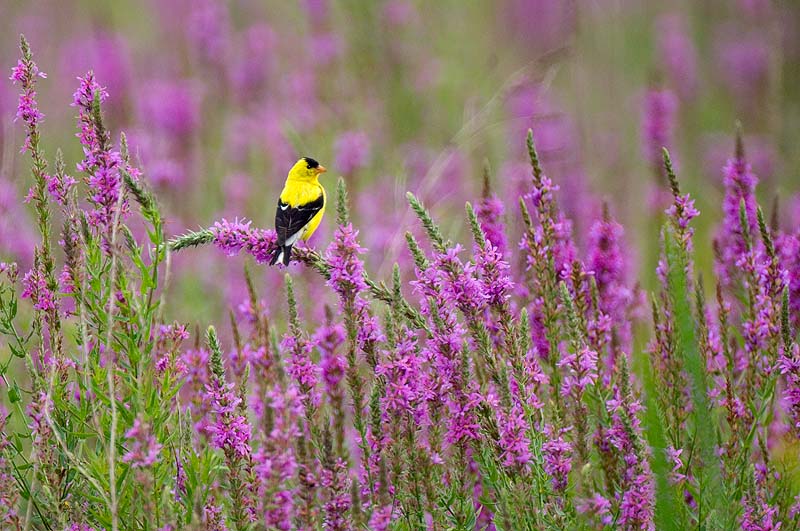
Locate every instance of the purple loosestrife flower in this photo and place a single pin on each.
(59, 187)
(347, 270)
(581, 372)
(637, 501)
(230, 430)
(236, 236)
(102, 164)
(490, 214)
(347, 280)
(34, 287)
(762, 156)
(536, 380)
(556, 229)
(300, 366)
(493, 272)
(25, 73)
(557, 454)
(328, 339)
(759, 515)
(275, 461)
(637, 505)
(37, 411)
(334, 368)
(674, 457)
(352, 151)
(599, 507)
(514, 441)
(401, 367)
(336, 483)
(444, 351)
(196, 375)
(740, 184)
(213, 517)
(789, 366)
(464, 425)
(606, 258)
(381, 518)
(683, 212)
(794, 510)
(548, 249)
(167, 348)
(658, 123)
(788, 248)
(541, 345)
(459, 283)
(765, 283)
(143, 449)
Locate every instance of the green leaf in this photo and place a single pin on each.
(14, 394)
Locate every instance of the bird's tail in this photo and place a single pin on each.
(282, 254)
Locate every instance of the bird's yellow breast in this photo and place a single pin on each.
(297, 193)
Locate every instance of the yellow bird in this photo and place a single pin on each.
(300, 207)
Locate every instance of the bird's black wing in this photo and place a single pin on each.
(290, 220)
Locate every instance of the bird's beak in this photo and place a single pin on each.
(321, 169)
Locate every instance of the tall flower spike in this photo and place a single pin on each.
(215, 361)
(430, 226)
(300, 366)
(25, 73)
(606, 256)
(490, 214)
(229, 430)
(342, 207)
(732, 236)
(60, 184)
(534, 158)
(102, 165)
(682, 210)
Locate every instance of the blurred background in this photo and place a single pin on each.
(218, 99)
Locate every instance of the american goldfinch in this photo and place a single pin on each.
(300, 207)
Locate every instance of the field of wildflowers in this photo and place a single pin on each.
(513, 317)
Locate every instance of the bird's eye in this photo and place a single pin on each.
(309, 166)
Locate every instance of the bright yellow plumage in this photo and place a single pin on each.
(300, 207)
(302, 187)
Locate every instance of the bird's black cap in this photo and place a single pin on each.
(311, 162)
